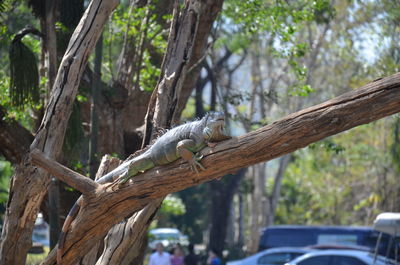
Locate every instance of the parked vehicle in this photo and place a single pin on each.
(167, 236)
(272, 256)
(40, 232)
(389, 223)
(40, 235)
(302, 236)
(339, 257)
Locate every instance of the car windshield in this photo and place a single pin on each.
(162, 236)
(278, 258)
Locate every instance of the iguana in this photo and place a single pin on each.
(184, 141)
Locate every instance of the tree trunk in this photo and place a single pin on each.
(257, 198)
(50, 45)
(29, 184)
(240, 237)
(188, 35)
(276, 191)
(110, 204)
(221, 203)
(53, 195)
(94, 119)
(50, 42)
(198, 19)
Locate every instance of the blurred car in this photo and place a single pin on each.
(168, 237)
(40, 232)
(339, 257)
(389, 223)
(272, 256)
(302, 236)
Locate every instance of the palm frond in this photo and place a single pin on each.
(24, 75)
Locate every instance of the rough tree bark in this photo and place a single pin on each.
(191, 26)
(29, 184)
(210, 10)
(120, 248)
(123, 243)
(110, 203)
(107, 164)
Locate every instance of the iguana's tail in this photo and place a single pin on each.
(109, 177)
(70, 217)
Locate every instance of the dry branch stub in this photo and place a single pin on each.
(79, 182)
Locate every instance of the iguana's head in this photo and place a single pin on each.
(214, 125)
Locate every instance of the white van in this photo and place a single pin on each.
(389, 223)
(168, 237)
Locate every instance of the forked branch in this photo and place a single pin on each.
(375, 100)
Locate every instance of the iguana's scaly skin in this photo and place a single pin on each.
(184, 141)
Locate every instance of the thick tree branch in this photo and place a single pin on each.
(29, 184)
(190, 28)
(77, 181)
(208, 12)
(376, 100)
(123, 241)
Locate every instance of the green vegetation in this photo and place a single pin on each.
(36, 259)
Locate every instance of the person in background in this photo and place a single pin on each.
(213, 258)
(177, 256)
(160, 257)
(191, 258)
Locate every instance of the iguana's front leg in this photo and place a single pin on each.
(184, 148)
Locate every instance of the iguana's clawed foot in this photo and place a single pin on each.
(123, 179)
(194, 163)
